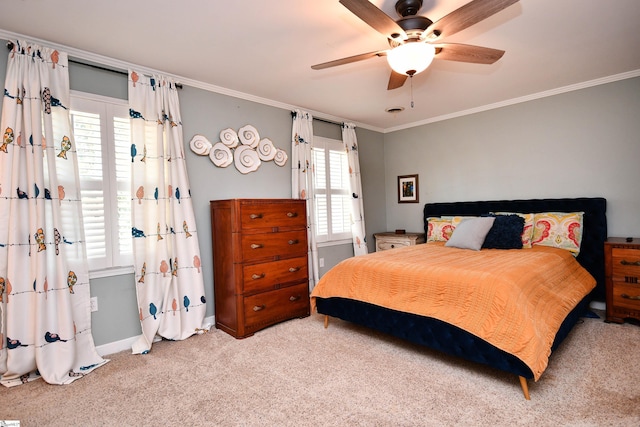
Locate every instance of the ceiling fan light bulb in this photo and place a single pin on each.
(411, 58)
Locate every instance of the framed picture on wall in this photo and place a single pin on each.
(408, 189)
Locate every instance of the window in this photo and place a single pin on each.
(332, 200)
(103, 142)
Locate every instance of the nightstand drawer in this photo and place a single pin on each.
(626, 295)
(391, 244)
(386, 241)
(625, 264)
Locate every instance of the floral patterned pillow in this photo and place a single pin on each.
(559, 229)
(439, 229)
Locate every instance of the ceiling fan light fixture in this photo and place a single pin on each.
(411, 58)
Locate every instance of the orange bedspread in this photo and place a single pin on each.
(514, 299)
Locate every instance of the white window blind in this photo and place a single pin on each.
(332, 194)
(102, 135)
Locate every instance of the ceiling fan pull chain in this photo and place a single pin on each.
(411, 82)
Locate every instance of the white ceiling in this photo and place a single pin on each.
(265, 49)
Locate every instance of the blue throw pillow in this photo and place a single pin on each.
(506, 233)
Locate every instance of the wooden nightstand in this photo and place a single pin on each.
(622, 270)
(390, 240)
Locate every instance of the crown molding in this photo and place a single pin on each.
(118, 65)
(526, 98)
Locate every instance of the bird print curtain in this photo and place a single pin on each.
(357, 205)
(169, 282)
(302, 182)
(45, 313)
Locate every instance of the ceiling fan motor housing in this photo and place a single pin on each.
(408, 7)
(414, 26)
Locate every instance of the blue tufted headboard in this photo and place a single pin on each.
(594, 234)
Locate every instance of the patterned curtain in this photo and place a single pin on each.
(45, 317)
(169, 282)
(302, 169)
(357, 207)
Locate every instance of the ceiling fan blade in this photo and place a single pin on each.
(375, 18)
(466, 16)
(467, 53)
(396, 80)
(348, 60)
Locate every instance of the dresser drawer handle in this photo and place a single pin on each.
(292, 214)
(259, 307)
(255, 216)
(625, 296)
(293, 298)
(294, 269)
(257, 276)
(294, 241)
(256, 246)
(625, 262)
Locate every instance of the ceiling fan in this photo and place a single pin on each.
(414, 40)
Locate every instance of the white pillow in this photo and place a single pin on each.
(470, 233)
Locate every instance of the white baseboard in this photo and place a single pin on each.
(115, 347)
(125, 344)
(598, 305)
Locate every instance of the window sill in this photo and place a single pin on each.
(335, 243)
(111, 271)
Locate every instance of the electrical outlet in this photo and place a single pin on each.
(94, 304)
(321, 262)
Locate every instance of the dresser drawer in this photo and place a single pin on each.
(625, 264)
(269, 245)
(626, 295)
(283, 216)
(274, 306)
(265, 276)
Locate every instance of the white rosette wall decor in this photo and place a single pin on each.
(249, 136)
(243, 148)
(246, 159)
(229, 137)
(266, 150)
(221, 155)
(200, 145)
(280, 158)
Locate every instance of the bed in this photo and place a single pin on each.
(440, 332)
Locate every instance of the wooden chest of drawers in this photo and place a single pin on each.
(260, 265)
(390, 240)
(622, 269)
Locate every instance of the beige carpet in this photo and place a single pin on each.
(299, 374)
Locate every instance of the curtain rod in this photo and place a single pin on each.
(97, 67)
(331, 122)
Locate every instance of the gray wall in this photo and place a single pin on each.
(580, 143)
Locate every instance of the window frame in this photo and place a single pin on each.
(327, 145)
(115, 261)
